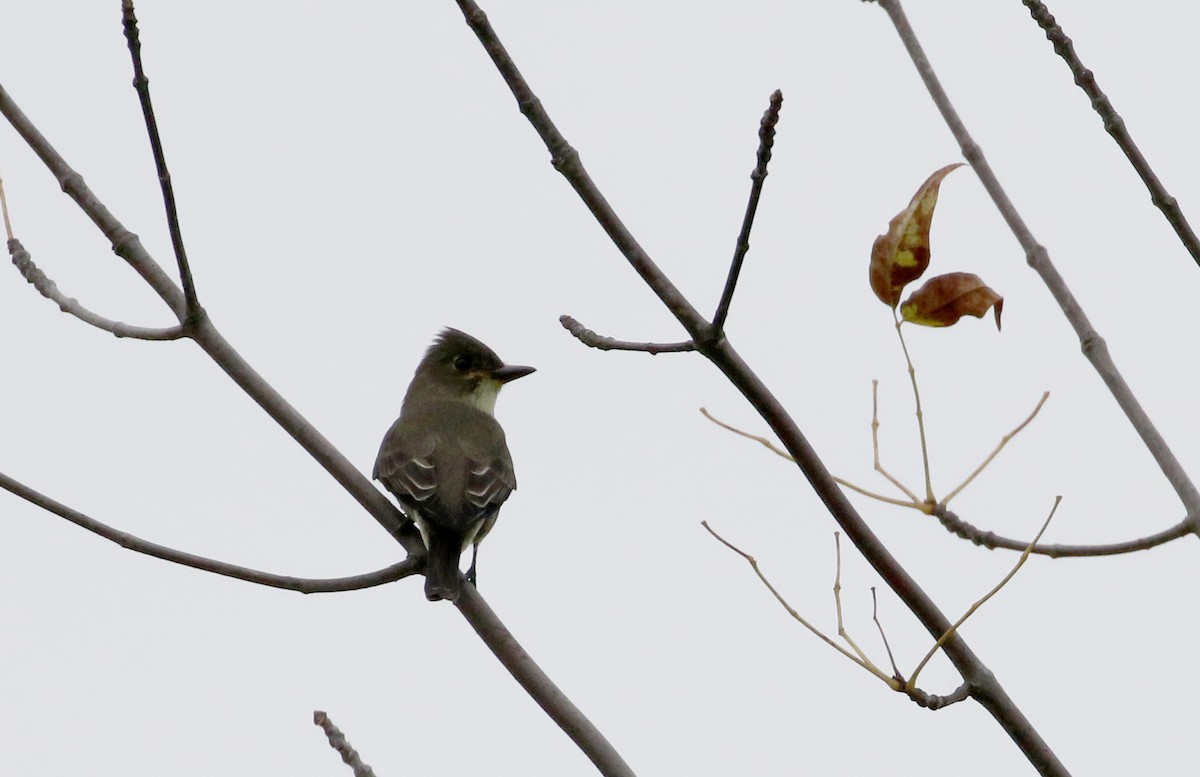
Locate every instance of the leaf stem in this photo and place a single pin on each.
(912, 377)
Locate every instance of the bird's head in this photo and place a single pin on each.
(457, 366)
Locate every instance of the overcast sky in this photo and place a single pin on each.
(353, 176)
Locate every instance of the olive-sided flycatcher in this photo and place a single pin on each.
(446, 459)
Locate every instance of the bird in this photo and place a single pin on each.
(446, 459)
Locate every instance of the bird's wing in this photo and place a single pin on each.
(405, 466)
(489, 482)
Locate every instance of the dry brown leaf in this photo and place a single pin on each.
(944, 299)
(901, 255)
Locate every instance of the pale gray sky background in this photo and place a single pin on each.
(353, 176)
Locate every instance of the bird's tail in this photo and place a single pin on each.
(443, 580)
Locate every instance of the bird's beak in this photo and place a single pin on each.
(511, 372)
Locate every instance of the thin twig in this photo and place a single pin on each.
(766, 139)
(916, 505)
(772, 447)
(337, 740)
(4, 208)
(409, 566)
(1094, 347)
(912, 378)
(875, 449)
(996, 451)
(784, 454)
(49, 289)
(992, 541)
(883, 636)
(837, 599)
(1115, 126)
(912, 681)
(142, 84)
(593, 340)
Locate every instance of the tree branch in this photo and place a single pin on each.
(337, 740)
(766, 139)
(49, 290)
(992, 541)
(1093, 345)
(932, 702)
(409, 566)
(539, 686)
(142, 84)
(593, 340)
(1115, 126)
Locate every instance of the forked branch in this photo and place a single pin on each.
(127, 245)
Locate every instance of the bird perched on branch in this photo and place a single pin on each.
(445, 458)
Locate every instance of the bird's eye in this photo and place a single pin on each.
(461, 363)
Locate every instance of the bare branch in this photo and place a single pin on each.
(991, 540)
(337, 740)
(540, 687)
(409, 566)
(766, 139)
(49, 290)
(1094, 347)
(593, 340)
(1115, 126)
(142, 84)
